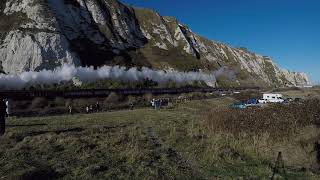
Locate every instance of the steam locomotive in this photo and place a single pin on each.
(88, 93)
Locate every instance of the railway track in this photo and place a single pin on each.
(88, 93)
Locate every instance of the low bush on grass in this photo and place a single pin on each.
(263, 132)
(278, 120)
(39, 102)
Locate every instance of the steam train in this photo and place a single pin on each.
(91, 93)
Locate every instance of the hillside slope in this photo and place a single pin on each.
(43, 34)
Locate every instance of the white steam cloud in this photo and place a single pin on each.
(89, 74)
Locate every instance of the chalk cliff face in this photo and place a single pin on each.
(43, 34)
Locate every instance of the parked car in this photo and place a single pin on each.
(263, 101)
(238, 105)
(252, 102)
(273, 98)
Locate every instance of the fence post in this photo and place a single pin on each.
(278, 166)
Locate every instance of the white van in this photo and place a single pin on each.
(272, 98)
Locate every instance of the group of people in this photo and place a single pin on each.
(88, 109)
(93, 108)
(156, 103)
(4, 112)
(159, 103)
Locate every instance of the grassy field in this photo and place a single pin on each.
(183, 142)
(299, 92)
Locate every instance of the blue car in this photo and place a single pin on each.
(252, 101)
(238, 105)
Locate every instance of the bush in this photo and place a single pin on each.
(39, 102)
(148, 97)
(132, 99)
(60, 102)
(247, 95)
(112, 101)
(196, 95)
(68, 102)
(171, 84)
(279, 121)
(113, 98)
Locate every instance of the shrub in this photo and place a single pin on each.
(39, 102)
(59, 101)
(113, 98)
(112, 101)
(195, 95)
(132, 99)
(171, 84)
(279, 121)
(148, 97)
(68, 102)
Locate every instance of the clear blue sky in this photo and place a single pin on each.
(286, 30)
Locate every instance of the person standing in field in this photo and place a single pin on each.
(70, 110)
(97, 106)
(131, 106)
(3, 109)
(7, 108)
(87, 109)
(91, 108)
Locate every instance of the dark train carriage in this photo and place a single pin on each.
(87, 93)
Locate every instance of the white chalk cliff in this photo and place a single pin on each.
(43, 34)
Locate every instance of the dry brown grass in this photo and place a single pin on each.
(292, 129)
(245, 95)
(277, 120)
(295, 92)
